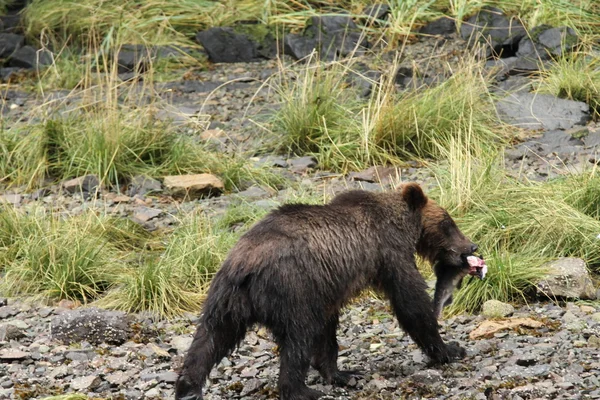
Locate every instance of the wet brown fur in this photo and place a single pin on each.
(295, 269)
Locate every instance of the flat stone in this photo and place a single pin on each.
(87, 183)
(542, 111)
(85, 382)
(145, 214)
(14, 199)
(9, 355)
(193, 186)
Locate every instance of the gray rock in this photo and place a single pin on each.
(136, 58)
(543, 42)
(7, 311)
(496, 309)
(119, 377)
(10, 332)
(145, 214)
(9, 43)
(142, 185)
(427, 377)
(181, 343)
(542, 111)
(567, 278)
(92, 325)
(86, 184)
(441, 26)
(302, 162)
(9, 355)
(251, 386)
(376, 11)
(28, 57)
(85, 383)
(229, 45)
(167, 377)
(333, 36)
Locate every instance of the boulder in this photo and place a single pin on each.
(142, 185)
(376, 11)
(92, 325)
(137, 58)
(498, 33)
(567, 278)
(542, 111)
(193, 186)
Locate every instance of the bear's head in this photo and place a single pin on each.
(441, 241)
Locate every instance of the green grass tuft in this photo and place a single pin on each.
(575, 78)
(55, 258)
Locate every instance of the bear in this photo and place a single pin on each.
(295, 269)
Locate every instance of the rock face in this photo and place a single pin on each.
(332, 36)
(496, 309)
(91, 325)
(193, 186)
(490, 27)
(542, 111)
(568, 278)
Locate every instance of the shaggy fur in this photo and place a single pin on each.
(294, 270)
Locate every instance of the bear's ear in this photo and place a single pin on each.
(413, 195)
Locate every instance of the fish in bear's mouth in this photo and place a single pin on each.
(477, 266)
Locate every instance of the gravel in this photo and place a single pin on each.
(551, 362)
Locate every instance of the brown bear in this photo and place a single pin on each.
(295, 269)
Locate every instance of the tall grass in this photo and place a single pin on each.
(323, 116)
(422, 122)
(518, 224)
(178, 279)
(58, 259)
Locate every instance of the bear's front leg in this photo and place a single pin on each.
(413, 307)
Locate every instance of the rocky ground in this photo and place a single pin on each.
(557, 359)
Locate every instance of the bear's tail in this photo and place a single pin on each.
(222, 327)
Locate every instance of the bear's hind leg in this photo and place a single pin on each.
(325, 355)
(211, 343)
(294, 364)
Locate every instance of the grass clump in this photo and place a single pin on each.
(115, 146)
(177, 280)
(574, 78)
(511, 277)
(423, 122)
(56, 258)
(323, 116)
